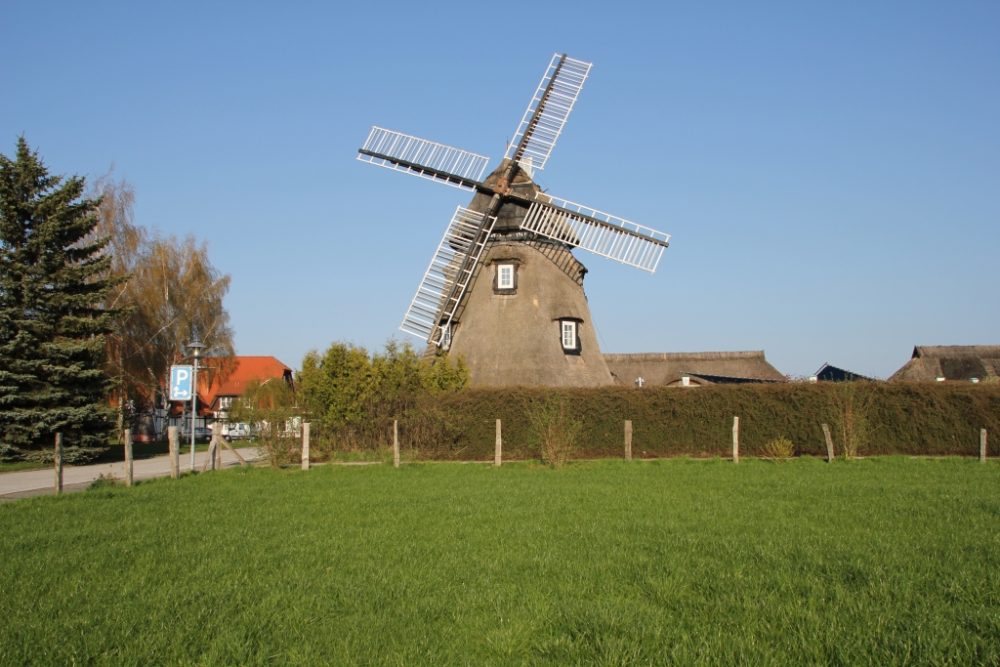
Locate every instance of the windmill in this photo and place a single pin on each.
(529, 323)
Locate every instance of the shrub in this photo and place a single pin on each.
(70, 455)
(104, 481)
(354, 393)
(556, 430)
(280, 450)
(854, 404)
(778, 448)
(10, 453)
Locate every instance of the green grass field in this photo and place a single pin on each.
(875, 562)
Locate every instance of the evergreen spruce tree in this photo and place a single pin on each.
(53, 281)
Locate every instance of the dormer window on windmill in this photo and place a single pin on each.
(505, 277)
(569, 337)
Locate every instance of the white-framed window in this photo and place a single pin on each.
(505, 277)
(225, 402)
(567, 330)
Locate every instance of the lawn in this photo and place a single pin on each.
(882, 561)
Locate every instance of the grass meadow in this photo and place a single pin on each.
(877, 562)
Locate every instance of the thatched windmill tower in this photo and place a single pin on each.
(503, 289)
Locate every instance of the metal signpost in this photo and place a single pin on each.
(195, 346)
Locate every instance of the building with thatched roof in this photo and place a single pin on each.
(691, 369)
(963, 363)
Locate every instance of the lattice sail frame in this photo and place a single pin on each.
(556, 94)
(444, 283)
(599, 232)
(421, 157)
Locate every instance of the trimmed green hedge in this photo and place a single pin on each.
(874, 418)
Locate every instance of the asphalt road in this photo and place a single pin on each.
(25, 483)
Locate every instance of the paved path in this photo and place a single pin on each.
(26, 483)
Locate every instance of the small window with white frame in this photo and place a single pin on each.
(505, 277)
(568, 335)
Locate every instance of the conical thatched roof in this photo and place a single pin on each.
(951, 362)
(668, 368)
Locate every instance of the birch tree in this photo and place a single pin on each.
(170, 292)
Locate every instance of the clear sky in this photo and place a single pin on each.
(829, 171)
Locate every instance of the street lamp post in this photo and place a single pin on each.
(196, 347)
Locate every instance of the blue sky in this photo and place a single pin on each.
(829, 172)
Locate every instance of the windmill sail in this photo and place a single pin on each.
(420, 157)
(547, 112)
(440, 292)
(600, 233)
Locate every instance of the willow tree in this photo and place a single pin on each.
(54, 279)
(170, 292)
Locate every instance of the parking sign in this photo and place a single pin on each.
(180, 383)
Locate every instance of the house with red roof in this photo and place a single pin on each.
(218, 388)
(222, 381)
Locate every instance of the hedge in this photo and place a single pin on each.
(871, 418)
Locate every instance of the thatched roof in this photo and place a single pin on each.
(951, 362)
(668, 368)
(514, 339)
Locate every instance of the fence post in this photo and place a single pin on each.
(498, 451)
(210, 461)
(982, 445)
(628, 439)
(736, 439)
(175, 451)
(129, 468)
(57, 460)
(829, 442)
(395, 443)
(218, 449)
(305, 446)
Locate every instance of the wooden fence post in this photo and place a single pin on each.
(305, 446)
(57, 459)
(829, 442)
(218, 449)
(213, 445)
(395, 443)
(982, 445)
(129, 468)
(628, 439)
(175, 451)
(736, 439)
(498, 451)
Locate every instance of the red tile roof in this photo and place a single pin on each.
(230, 377)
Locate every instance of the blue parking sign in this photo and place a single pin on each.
(180, 383)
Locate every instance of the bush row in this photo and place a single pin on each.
(864, 418)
